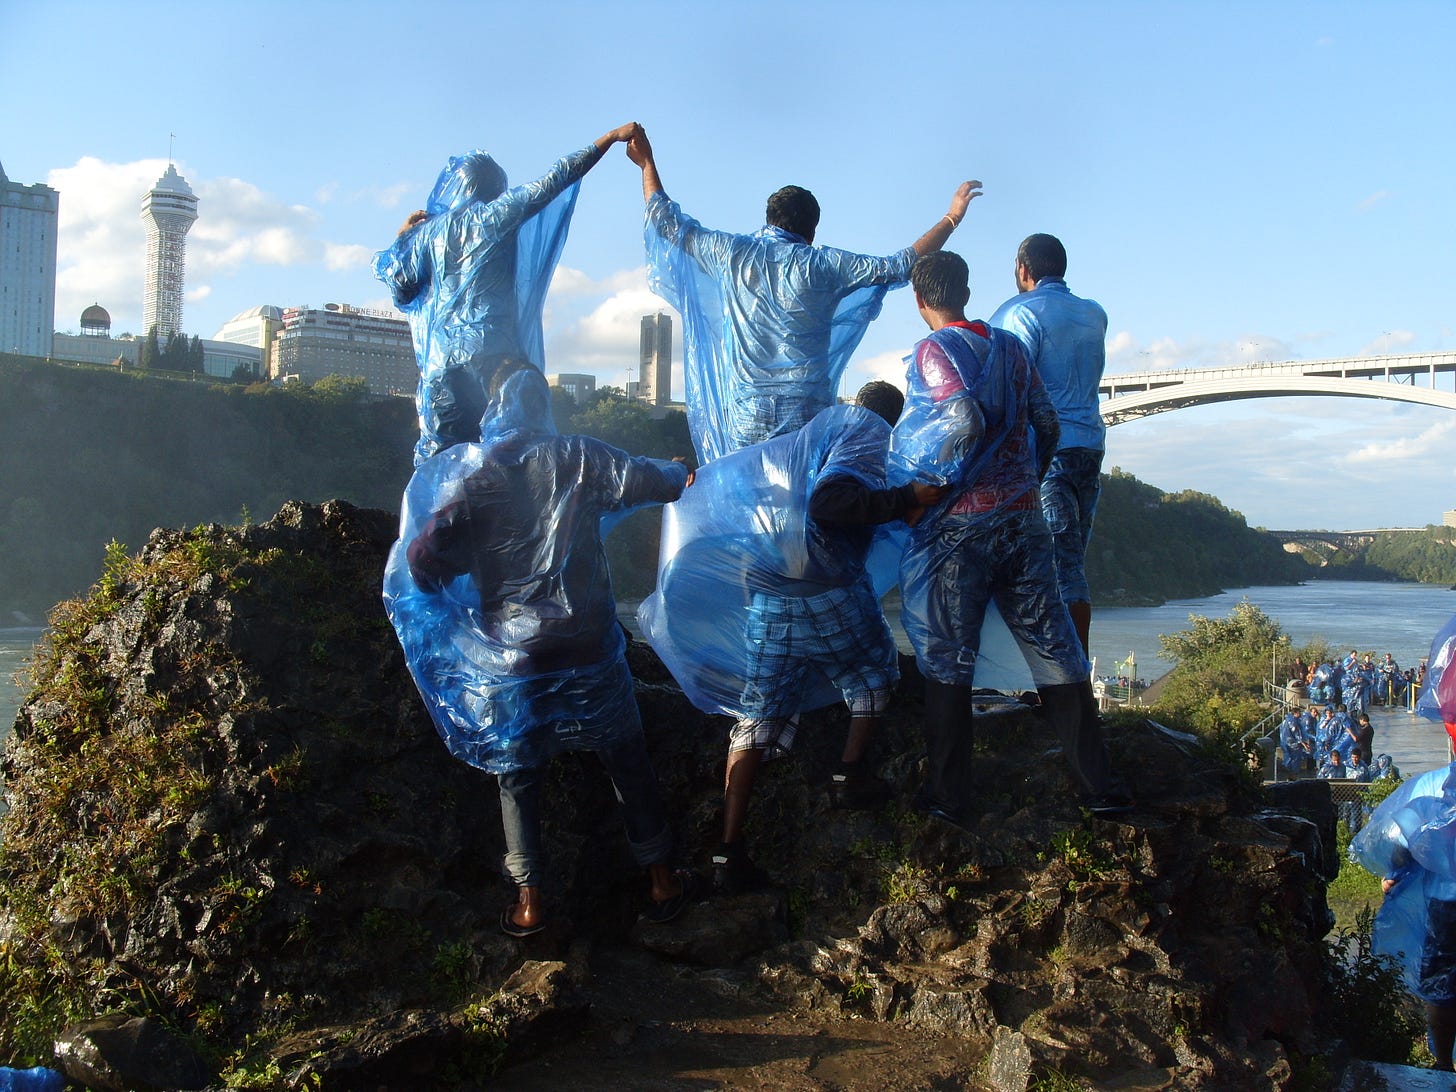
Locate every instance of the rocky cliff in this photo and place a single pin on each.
(237, 852)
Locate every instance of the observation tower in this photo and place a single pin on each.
(169, 209)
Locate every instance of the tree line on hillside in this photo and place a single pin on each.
(93, 456)
(1427, 555)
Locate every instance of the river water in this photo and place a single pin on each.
(1397, 618)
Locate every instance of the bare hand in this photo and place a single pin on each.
(619, 135)
(639, 150)
(927, 495)
(965, 193)
(419, 216)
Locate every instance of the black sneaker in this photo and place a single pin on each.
(1112, 802)
(944, 812)
(734, 873)
(856, 790)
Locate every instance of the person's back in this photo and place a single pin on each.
(769, 319)
(526, 525)
(1066, 337)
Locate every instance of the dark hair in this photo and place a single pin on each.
(942, 281)
(504, 369)
(1043, 256)
(793, 208)
(883, 398)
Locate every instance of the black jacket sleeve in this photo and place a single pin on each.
(844, 500)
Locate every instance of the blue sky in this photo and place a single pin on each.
(1234, 182)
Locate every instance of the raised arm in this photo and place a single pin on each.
(620, 135)
(639, 151)
(939, 235)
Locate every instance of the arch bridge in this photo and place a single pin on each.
(1403, 378)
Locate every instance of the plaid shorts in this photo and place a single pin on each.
(841, 634)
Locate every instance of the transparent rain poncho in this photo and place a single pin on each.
(472, 281)
(1437, 698)
(499, 591)
(769, 323)
(951, 433)
(743, 528)
(1411, 837)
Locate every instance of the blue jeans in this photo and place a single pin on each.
(1069, 502)
(635, 783)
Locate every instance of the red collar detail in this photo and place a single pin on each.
(976, 327)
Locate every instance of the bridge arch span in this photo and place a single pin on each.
(1198, 392)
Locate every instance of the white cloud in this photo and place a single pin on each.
(605, 339)
(887, 366)
(1376, 198)
(568, 282)
(1126, 354)
(339, 256)
(1432, 443)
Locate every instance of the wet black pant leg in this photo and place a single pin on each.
(949, 744)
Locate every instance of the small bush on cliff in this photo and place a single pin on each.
(1373, 1012)
(1220, 666)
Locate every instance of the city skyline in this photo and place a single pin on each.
(1234, 184)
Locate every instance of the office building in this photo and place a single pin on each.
(28, 218)
(581, 387)
(349, 341)
(654, 373)
(169, 209)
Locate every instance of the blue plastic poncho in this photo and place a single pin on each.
(472, 281)
(1292, 739)
(769, 322)
(499, 589)
(1437, 698)
(968, 414)
(1411, 838)
(743, 528)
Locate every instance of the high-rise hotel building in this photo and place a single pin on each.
(169, 209)
(28, 218)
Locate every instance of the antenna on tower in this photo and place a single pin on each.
(171, 139)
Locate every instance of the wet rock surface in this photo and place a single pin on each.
(321, 902)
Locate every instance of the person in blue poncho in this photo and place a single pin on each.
(1065, 337)
(470, 271)
(769, 319)
(1410, 841)
(827, 620)
(1297, 752)
(503, 601)
(973, 406)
